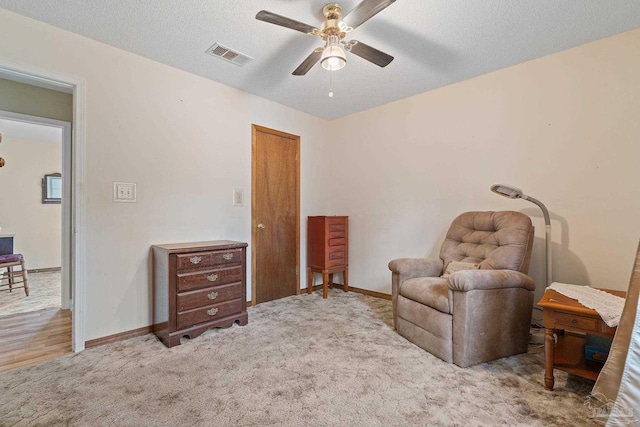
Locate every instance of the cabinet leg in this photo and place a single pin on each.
(309, 281)
(345, 286)
(549, 356)
(331, 280)
(325, 282)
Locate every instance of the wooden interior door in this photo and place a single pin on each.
(275, 214)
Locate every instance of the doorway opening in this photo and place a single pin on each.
(33, 224)
(72, 200)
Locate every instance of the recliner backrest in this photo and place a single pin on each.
(496, 240)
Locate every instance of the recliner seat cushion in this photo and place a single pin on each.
(430, 291)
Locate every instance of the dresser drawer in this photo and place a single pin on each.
(337, 241)
(203, 297)
(574, 321)
(331, 250)
(209, 313)
(209, 259)
(336, 259)
(336, 235)
(336, 225)
(207, 278)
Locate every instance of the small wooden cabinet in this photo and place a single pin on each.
(198, 286)
(327, 250)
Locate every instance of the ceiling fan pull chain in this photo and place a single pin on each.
(330, 84)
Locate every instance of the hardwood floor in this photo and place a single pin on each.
(30, 338)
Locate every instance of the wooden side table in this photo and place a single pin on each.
(560, 315)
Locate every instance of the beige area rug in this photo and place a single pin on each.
(44, 292)
(301, 361)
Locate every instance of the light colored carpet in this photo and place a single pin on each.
(301, 361)
(44, 292)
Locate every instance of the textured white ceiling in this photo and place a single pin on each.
(435, 43)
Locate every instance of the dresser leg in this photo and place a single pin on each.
(309, 281)
(325, 283)
(549, 356)
(331, 280)
(345, 277)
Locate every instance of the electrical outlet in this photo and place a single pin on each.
(124, 192)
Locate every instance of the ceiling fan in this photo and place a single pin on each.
(333, 31)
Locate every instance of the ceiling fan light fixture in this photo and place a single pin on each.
(333, 30)
(333, 57)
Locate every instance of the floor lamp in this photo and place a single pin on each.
(516, 193)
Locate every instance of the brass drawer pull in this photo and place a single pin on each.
(212, 312)
(574, 321)
(195, 259)
(212, 295)
(227, 256)
(212, 277)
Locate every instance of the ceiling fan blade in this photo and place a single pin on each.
(308, 63)
(370, 54)
(283, 21)
(365, 10)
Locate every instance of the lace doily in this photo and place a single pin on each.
(608, 306)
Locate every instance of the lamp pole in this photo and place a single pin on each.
(516, 193)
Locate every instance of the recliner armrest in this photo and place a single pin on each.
(469, 280)
(409, 268)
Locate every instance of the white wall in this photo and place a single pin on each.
(36, 226)
(565, 128)
(184, 140)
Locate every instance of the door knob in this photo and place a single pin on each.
(261, 226)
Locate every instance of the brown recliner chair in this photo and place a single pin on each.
(473, 315)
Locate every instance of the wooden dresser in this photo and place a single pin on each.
(198, 286)
(327, 250)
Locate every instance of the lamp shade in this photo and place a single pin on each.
(507, 191)
(333, 57)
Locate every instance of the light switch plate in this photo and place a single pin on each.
(124, 192)
(238, 197)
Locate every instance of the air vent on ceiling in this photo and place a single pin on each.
(227, 54)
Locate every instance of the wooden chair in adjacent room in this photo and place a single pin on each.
(11, 277)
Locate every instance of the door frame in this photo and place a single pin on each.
(65, 300)
(73, 167)
(254, 130)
